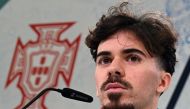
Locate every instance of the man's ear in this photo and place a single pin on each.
(165, 81)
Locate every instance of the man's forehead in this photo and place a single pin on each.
(122, 42)
(121, 38)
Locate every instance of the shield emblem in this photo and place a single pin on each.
(41, 68)
(38, 64)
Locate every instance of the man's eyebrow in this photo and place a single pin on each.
(132, 50)
(103, 53)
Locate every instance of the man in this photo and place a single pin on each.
(135, 58)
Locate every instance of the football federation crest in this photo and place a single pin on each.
(40, 63)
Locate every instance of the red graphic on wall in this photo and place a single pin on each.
(38, 64)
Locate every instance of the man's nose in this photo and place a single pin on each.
(116, 68)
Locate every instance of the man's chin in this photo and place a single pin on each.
(114, 97)
(116, 103)
(118, 106)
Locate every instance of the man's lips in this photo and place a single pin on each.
(114, 86)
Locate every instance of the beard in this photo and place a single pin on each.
(115, 98)
(115, 104)
(124, 106)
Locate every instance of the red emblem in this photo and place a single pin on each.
(40, 63)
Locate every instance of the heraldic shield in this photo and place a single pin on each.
(40, 63)
(41, 68)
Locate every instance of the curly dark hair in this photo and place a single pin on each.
(154, 30)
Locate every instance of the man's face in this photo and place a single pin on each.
(126, 75)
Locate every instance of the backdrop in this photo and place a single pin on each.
(42, 45)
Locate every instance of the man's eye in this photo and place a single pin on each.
(133, 58)
(104, 60)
